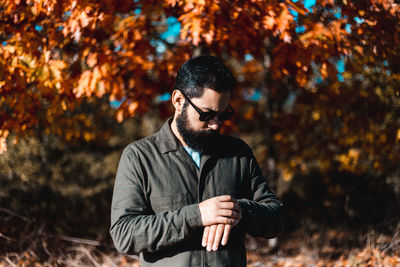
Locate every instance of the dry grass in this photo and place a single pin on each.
(77, 255)
(378, 250)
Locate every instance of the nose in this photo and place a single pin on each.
(214, 123)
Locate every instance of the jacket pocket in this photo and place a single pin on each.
(168, 202)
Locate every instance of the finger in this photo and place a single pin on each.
(230, 214)
(205, 236)
(211, 235)
(226, 220)
(229, 206)
(218, 236)
(224, 198)
(227, 231)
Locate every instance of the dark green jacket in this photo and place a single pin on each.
(157, 189)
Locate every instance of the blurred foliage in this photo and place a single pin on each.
(320, 85)
(51, 186)
(317, 99)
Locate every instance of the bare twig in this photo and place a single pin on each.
(86, 252)
(91, 258)
(10, 262)
(44, 245)
(15, 214)
(29, 249)
(108, 261)
(394, 242)
(7, 237)
(75, 240)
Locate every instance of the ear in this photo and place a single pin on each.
(177, 100)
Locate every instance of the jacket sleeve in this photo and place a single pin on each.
(263, 212)
(134, 225)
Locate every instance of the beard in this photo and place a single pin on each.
(201, 140)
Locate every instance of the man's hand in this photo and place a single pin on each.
(220, 210)
(212, 236)
(219, 215)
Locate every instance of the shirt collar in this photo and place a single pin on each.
(167, 139)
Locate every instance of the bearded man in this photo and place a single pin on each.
(187, 195)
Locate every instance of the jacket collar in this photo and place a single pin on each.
(166, 138)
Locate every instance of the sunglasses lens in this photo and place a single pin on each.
(225, 116)
(206, 116)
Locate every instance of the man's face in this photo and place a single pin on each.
(200, 134)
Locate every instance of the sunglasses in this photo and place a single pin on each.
(209, 115)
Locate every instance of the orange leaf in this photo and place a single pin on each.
(92, 60)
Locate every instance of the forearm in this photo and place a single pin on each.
(263, 219)
(134, 233)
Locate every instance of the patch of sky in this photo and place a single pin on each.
(163, 97)
(386, 63)
(309, 4)
(4, 43)
(38, 28)
(294, 13)
(116, 103)
(289, 103)
(358, 20)
(60, 28)
(348, 28)
(340, 67)
(300, 29)
(67, 13)
(252, 95)
(137, 11)
(117, 48)
(248, 57)
(338, 13)
(172, 33)
(160, 46)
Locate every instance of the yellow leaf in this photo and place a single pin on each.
(3, 139)
(324, 71)
(287, 174)
(132, 108)
(316, 115)
(87, 136)
(63, 105)
(120, 115)
(359, 49)
(3, 144)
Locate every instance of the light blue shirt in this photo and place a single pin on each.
(194, 154)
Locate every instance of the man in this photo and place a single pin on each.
(186, 195)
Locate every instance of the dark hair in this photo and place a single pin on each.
(203, 72)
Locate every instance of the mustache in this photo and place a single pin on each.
(207, 133)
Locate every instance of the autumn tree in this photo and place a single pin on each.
(326, 76)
